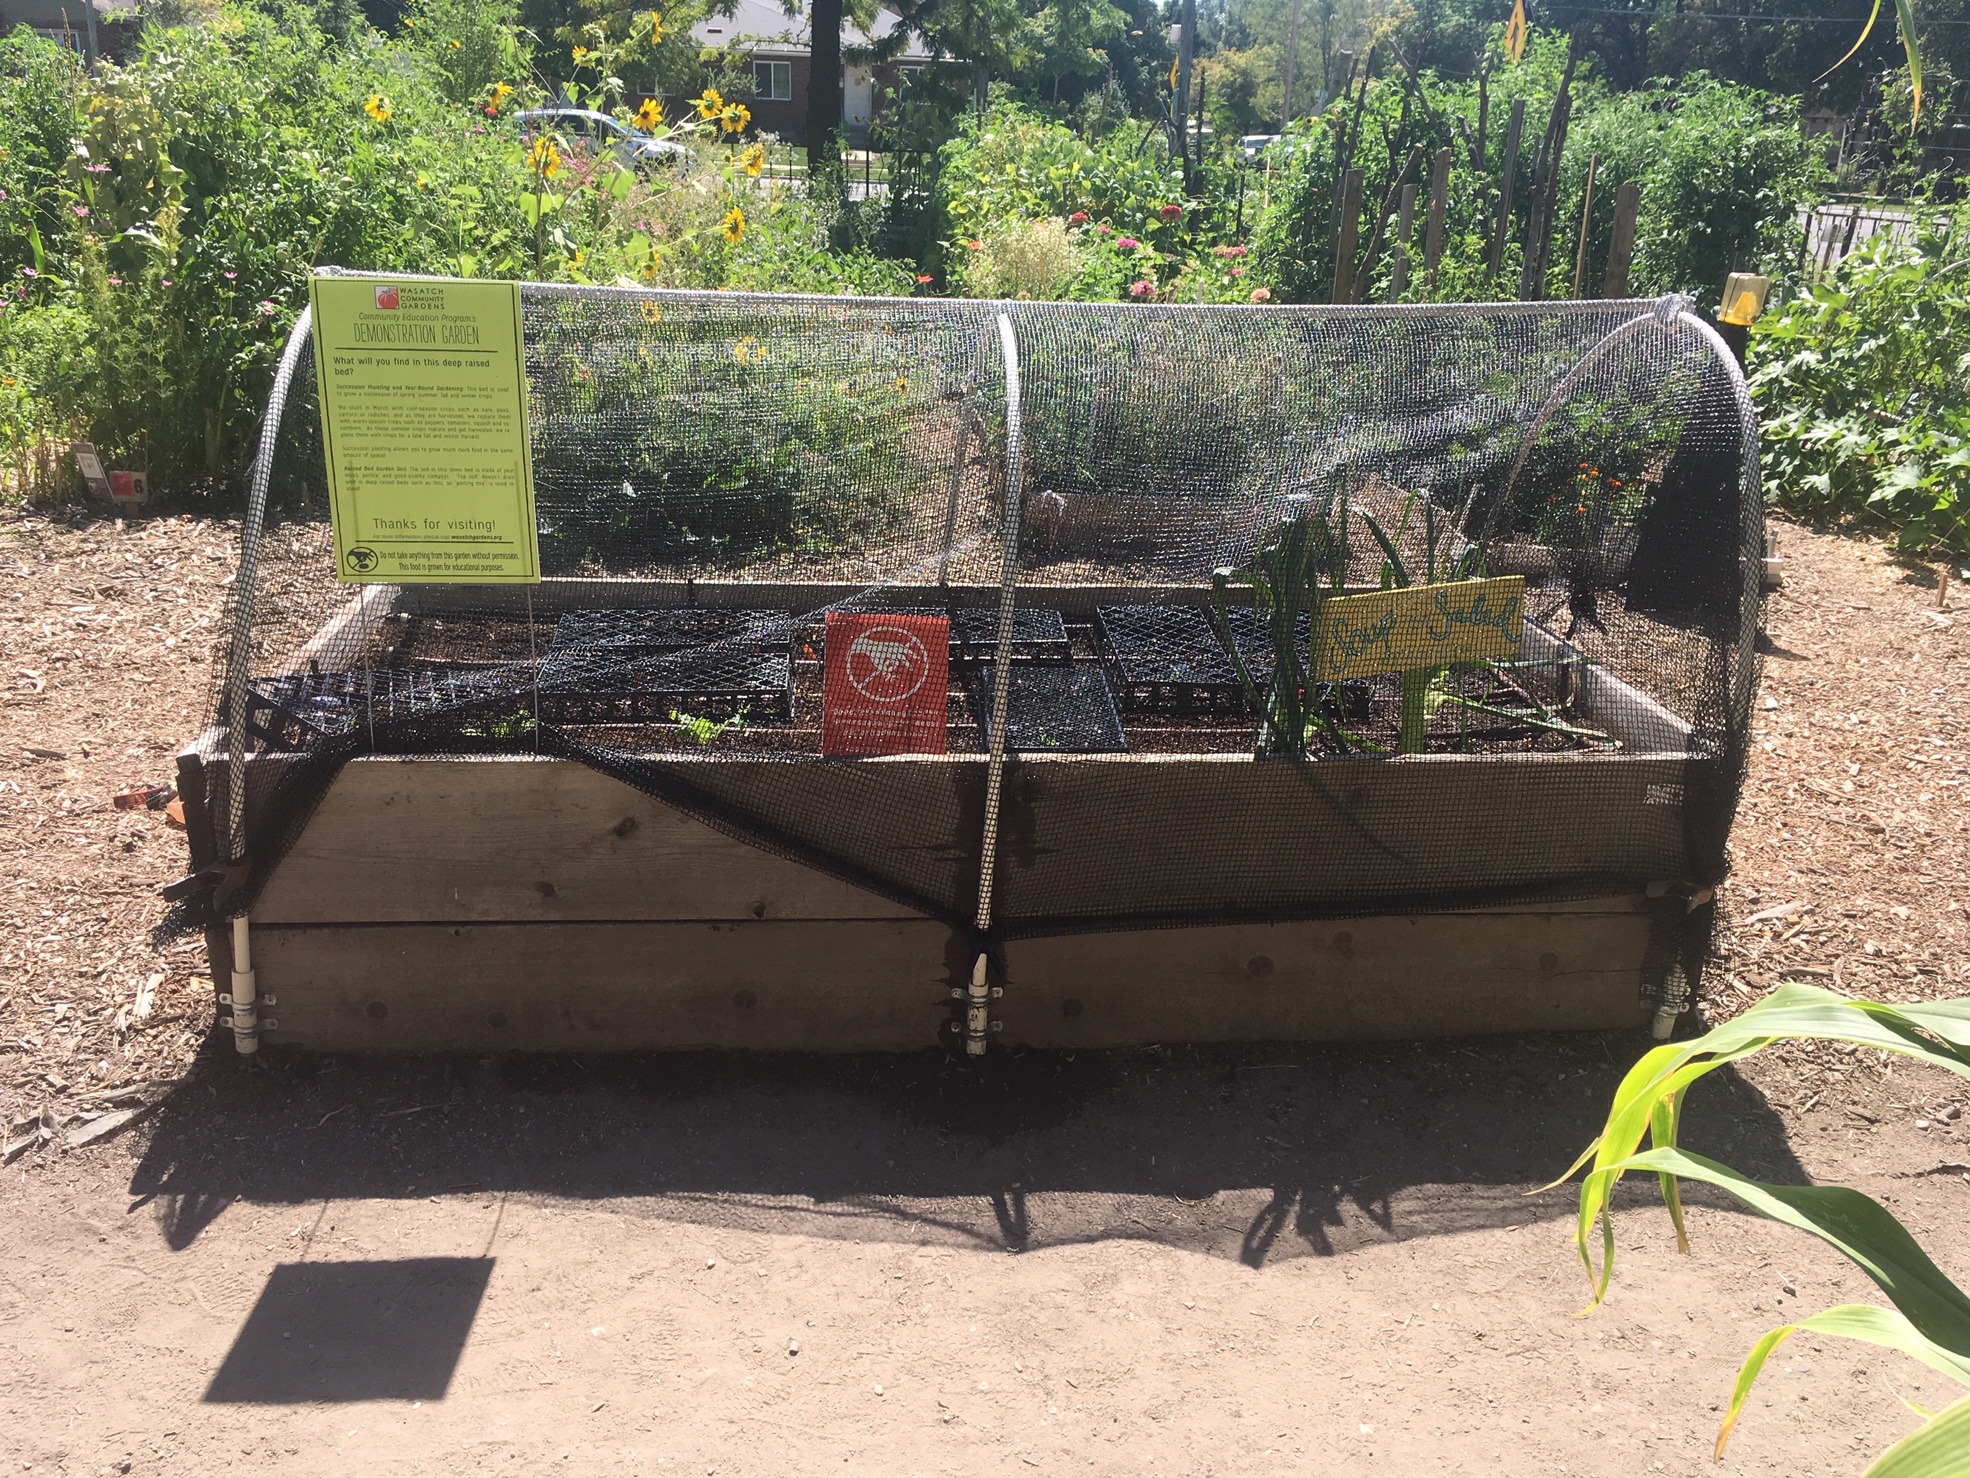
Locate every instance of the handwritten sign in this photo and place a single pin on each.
(424, 422)
(1421, 626)
(884, 684)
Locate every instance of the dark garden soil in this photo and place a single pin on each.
(1254, 1260)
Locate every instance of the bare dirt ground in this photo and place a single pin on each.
(1227, 1261)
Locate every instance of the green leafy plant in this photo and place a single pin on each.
(1285, 578)
(1930, 1318)
(705, 730)
(1863, 387)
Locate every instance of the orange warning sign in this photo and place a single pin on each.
(884, 686)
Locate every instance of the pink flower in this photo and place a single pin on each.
(81, 210)
(1143, 289)
(229, 276)
(1104, 230)
(1237, 271)
(1079, 218)
(266, 308)
(116, 282)
(1128, 243)
(1228, 251)
(167, 282)
(1261, 295)
(1171, 213)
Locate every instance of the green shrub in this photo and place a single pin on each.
(1861, 388)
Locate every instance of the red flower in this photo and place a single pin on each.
(1079, 218)
(1171, 212)
(923, 277)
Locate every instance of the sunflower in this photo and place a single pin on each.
(734, 225)
(649, 115)
(378, 107)
(544, 159)
(656, 29)
(734, 117)
(581, 55)
(749, 350)
(708, 103)
(753, 159)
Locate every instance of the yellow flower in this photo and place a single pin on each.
(753, 160)
(500, 93)
(578, 258)
(709, 103)
(649, 115)
(734, 117)
(749, 350)
(656, 30)
(902, 385)
(457, 45)
(544, 159)
(580, 54)
(734, 224)
(378, 107)
(652, 310)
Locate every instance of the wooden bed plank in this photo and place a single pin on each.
(531, 841)
(1337, 979)
(520, 840)
(884, 985)
(837, 987)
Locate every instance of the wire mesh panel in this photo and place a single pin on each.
(717, 473)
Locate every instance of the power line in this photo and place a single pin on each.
(1724, 15)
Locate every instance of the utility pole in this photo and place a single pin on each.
(1292, 56)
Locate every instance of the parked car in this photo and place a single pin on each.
(598, 133)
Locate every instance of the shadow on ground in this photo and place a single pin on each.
(1250, 1152)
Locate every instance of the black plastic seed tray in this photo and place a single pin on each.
(295, 710)
(1038, 632)
(584, 685)
(1254, 638)
(1054, 709)
(1169, 658)
(665, 630)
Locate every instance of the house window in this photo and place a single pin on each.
(773, 81)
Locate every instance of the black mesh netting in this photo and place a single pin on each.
(716, 473)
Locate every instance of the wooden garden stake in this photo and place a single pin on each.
(1512, 133)
(1586, 213)
(1344, 238)
(1621, 251)
(1439, 200)
(1405, 224)
(1396, 186)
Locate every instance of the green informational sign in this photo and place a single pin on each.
(424, 423)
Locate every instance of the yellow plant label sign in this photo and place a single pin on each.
(1421, 626)
(424, 426)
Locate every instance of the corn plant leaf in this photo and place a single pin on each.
(1905, 14)
(1854, 1225)
(1937, 1033)
(1934, 1450)
(1867, 1322)
(1859, 41)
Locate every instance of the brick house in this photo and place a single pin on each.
(778, 47)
